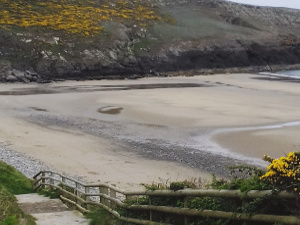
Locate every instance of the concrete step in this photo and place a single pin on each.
(49, 211)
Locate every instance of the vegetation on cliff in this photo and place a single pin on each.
(45, 40)
(82, 17)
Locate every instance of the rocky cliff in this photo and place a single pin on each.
(93, 39)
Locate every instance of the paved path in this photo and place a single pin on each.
(49, 211)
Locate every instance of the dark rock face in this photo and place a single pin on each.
(207, 36)
(220, 58)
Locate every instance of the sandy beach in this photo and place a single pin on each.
(128, 132)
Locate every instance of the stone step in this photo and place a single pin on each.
(49, 211)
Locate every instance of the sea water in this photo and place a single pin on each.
(292, 73)
(295, 74)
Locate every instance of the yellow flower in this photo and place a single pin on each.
(72, 16)
(285, 170)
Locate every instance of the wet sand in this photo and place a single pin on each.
(150, 130)
(274, 142)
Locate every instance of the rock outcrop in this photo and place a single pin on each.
(193, 37)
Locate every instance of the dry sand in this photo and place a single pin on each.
(66, 131)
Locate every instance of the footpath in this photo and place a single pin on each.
(50, 211)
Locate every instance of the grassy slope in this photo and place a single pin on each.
(194, 24)
(84, 20)
(12, 182)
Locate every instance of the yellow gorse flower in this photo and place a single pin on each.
(284, 171)
(72, 16)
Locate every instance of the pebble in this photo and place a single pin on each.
(23, 163)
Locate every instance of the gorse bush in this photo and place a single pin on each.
(284, 173)
(82, 17)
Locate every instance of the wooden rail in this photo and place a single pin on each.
(108, 197)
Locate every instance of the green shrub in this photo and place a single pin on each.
(205, 203)
(245, 185)
(244, 178)
(178, 185)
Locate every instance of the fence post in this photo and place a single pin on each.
(43, 180)
(128, 198)
(77, 193)
(243, 204)
(51, 181)
(185, 201)
(87, 198)
(63, 181)
(104, 190)
(150, 212)
(113, 194)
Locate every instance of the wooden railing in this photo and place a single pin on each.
(108, 197)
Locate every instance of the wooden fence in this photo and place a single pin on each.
(108, 197)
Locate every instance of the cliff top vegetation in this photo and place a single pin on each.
(82, 17)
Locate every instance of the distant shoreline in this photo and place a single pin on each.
(263, 69)
(283, 75)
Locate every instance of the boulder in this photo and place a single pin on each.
(11, 78)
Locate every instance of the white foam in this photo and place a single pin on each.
(280, 75)
(204, 142)
(267, 127)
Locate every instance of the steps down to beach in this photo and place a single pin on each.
(49, 211)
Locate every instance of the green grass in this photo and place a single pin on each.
(49, 193)
(143, 45)
(101, 217)
(13, 182)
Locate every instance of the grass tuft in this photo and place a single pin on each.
(101, 217)
(13, 182)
